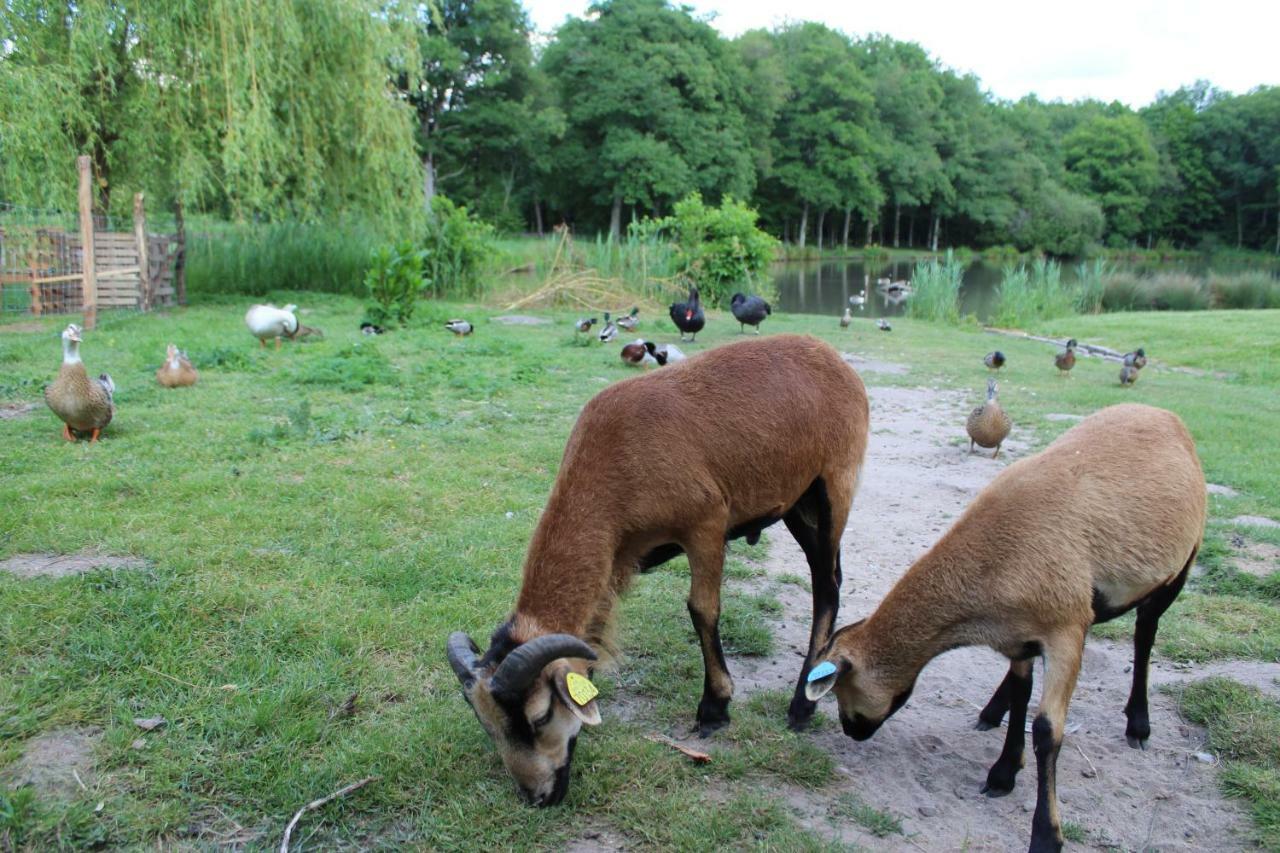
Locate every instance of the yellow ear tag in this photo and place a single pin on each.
(581, 690)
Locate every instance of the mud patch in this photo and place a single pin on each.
(863, 364)
(1222, 491)
(12, 411)
(58, 764)
(521, 320)
(64, 565)
(1060, 416)
(1259, 559)
(595, 839)
(1255, 521)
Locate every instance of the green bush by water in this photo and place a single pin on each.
(1033, 293)
(937, 290)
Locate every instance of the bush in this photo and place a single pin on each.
(1252, 289)
(1176, 291)
(394, 280)
(458, 246)
(1123, 291)
(1034, 293)
(937, 290)
(720, 249)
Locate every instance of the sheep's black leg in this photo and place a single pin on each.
(991, 716)
(810, 523)
(1144, 635)
(1017, 693)
(706, 562)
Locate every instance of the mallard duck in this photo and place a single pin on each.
(367, 328)
(749, 311)
(610, 330)
(1128, 374)
(584, 324)
(994, 360)
(305, 331)
(988, 425)
(846, 319)
(688, 315)
(460, 328)
(899, 288)
(1136, 359)
(268, 321)
(177, 370)
(83, 404)
(640, 353)
(883, 325)
(630, 321)
(1066, 359)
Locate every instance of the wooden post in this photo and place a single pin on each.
(145, 289)
(37, 305)
(180, 262)
(90, 289)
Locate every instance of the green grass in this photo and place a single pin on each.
(317, 520)
(878, 823)
(1244, 731)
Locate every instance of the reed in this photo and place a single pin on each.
(937, 290)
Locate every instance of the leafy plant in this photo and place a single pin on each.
(937, 290)
(719, 248)
(394, 280)
(457, 246)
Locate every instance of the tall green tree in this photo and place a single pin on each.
(1113, 160)
(654, 108)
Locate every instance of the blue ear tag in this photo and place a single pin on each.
(821, 671)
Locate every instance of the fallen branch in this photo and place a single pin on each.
(320, 803)
(697, 755)
(1091, 349)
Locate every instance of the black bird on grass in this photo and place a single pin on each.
(994, 360)
(749, 311)
(688, 315)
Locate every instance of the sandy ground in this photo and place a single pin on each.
(927, 764)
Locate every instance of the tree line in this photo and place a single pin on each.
(310, 109)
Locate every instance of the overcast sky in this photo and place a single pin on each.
(1116, 50)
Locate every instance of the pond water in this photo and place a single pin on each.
(824, 287)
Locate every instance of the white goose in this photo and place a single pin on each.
(268, 321)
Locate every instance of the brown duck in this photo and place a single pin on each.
(83, 404)
(1128, 374)
(988, 425)
(177, 370)
(1066, 359)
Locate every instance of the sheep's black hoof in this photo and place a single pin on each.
(1000, 780)
(800, 713)
(1044, 843)
(1137, 732)
(1135, 742)
(713, 715)
(985, 726)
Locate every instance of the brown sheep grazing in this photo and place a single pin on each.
(713, 448)
(1051, 546)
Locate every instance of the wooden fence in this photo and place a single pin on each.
(136, 269)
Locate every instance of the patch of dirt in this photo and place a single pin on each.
(11, 411)
(928, 763)
(1223, 491)
(521, 320)
(595, 839)
(64, 565)
(21, 327)
(1255, 521)
(862, 364)
(1060, 416)
(58, 764)
(1259, 559)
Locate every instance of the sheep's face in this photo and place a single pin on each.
(865, 696)
(534, 715)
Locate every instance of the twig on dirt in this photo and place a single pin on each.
(697, 755)
(320, 803)
(79, 781)
(1092, 769)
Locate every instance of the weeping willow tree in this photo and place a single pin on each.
(249, 110)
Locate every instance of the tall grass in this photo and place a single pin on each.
(937, 290)
(1167, 291)
(1251, 289)
(1090, 285)
(643, 266)
(1032, 293)
(255, 259)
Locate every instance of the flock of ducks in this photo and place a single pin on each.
(86, 405)
(988, 425)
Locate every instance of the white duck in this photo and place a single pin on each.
(268, 321)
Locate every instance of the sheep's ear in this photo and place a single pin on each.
(578, 694)
(823, 677)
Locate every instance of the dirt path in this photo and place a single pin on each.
(927, 764)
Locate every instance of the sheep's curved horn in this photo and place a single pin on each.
(521, 667)
(462, 657)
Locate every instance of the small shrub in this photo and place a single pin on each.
(1122, 291)
(394, 280)
(458, 246)
(1175, 291)
(937, 290)
(1252, 289)
(720, 249)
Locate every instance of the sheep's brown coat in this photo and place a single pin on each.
(1107, 519)
(715, 447)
